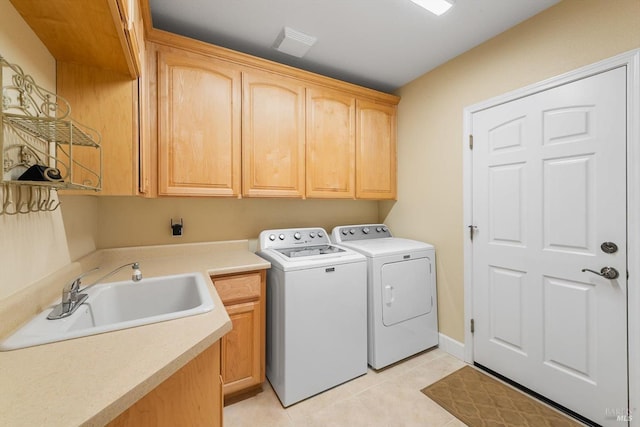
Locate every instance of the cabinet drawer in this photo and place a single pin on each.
(238, 289)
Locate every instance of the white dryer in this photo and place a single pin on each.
(402, 314)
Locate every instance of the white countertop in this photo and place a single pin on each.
(89, 381)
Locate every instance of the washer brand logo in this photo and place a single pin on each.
(406, 257)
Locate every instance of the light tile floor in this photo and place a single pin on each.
(387, 398)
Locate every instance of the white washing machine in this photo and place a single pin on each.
(402, 300)
(316, 312)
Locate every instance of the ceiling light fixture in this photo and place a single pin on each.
(294, 42)
(437, 7)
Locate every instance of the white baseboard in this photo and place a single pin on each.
(451, 346)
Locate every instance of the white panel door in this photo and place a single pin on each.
(549, 187)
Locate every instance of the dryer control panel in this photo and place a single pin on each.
(346, 233)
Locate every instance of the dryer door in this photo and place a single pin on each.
(406, 290)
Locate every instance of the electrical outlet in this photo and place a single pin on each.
(176, 228)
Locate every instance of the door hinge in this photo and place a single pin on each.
(470, 142)
(472, 326)
(472, 229)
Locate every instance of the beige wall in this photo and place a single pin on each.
(567, 36)
(80, 217)
(34, 245)
(126, 221)
(19, 45)
(29, 243)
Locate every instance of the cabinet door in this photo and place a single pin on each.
(106, 101)
(190, 397)
(199, 126)
(330, 161)
(375, 151)
(88, 33)
(241, 348)
(273, 136)
(131, 33)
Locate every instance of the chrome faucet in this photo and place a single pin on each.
(72, 297)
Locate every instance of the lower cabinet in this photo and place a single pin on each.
(243, 349)
(190, 397)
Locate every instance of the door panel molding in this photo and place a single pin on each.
(559, 135)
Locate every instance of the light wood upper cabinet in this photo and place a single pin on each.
(99, 53)
(107, 101)
(201, 120)
(132, 33)
(273, 136)
(301, 134)
(199, 125)
(375, 151)
(330, 144)
(97, 33)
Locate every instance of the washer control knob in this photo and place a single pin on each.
(281, 237)
(352, 231)
(378, 229)
(312, 234)
(320, 234)
(365, 230)
(272, 237)
(385, 229)
(345, 231)
(297, 235)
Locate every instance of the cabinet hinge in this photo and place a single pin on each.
(473, 326)
(470, 142)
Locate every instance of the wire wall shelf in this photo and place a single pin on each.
(43, 149)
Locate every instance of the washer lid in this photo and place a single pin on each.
(305, 251)
(386, 246)
(286, 263)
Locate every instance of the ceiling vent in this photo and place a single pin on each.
(294, 42)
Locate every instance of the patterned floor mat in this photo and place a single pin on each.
(481, 401)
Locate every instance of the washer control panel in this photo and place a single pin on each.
(347, 233)
(291, 237)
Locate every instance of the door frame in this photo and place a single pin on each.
(631, 60)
